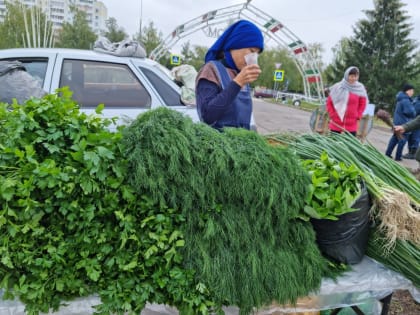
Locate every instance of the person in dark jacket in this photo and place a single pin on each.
(404, 112)
(222, 88)
(413, 140)
(413, 125)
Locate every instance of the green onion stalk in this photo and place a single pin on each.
(395, 191)
(404, 258)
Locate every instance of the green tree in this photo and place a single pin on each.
(416, 80)
(334, 71)
(77, 34)
(150, 37)
(15, 33)
(114, 33)
(198, 56)
(268, 60)
(193, 56)
(316, 50)
(383, 51)
(187, 52)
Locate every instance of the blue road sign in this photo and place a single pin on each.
(175, 59)
(279, 75)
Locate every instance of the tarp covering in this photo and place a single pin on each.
(124, 48)
(186, 74)
(368, 280)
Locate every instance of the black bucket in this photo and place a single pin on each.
(345, 240)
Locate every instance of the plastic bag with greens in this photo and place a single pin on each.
(15, 82)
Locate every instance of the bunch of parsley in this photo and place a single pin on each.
(70, 225)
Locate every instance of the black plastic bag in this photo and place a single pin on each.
(15, 82)
(345, 240)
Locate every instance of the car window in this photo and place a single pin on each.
(170, 96)
(164, 70)
(93, 83)
(36, 67)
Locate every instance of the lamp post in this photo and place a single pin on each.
(141, 17)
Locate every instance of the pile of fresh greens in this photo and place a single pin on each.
(163, 211)
(395, 190)
(242, 199)
(334, 188)
(404, 258)
(72, 226)
(347, 148)
(396, 193)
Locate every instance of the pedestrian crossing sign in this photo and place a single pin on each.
(175, 60)
(279, 75)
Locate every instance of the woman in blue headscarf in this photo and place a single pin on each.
(222, 85)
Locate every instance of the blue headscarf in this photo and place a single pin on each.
(242, 34)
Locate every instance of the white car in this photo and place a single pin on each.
(127, 86)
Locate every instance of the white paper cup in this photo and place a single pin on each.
(251, 59)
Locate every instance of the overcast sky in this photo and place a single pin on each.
(322, 21)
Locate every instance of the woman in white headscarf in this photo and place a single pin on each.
(346, 102)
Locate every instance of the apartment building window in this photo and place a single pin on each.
(57, 17)
(55, 10)
(57, 4)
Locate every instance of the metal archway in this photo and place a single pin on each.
(271, 28)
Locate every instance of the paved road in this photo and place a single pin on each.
(276, 118)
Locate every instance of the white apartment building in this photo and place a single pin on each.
(59, 12)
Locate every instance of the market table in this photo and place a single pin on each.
(367, 281)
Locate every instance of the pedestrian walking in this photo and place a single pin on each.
(404, 112)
